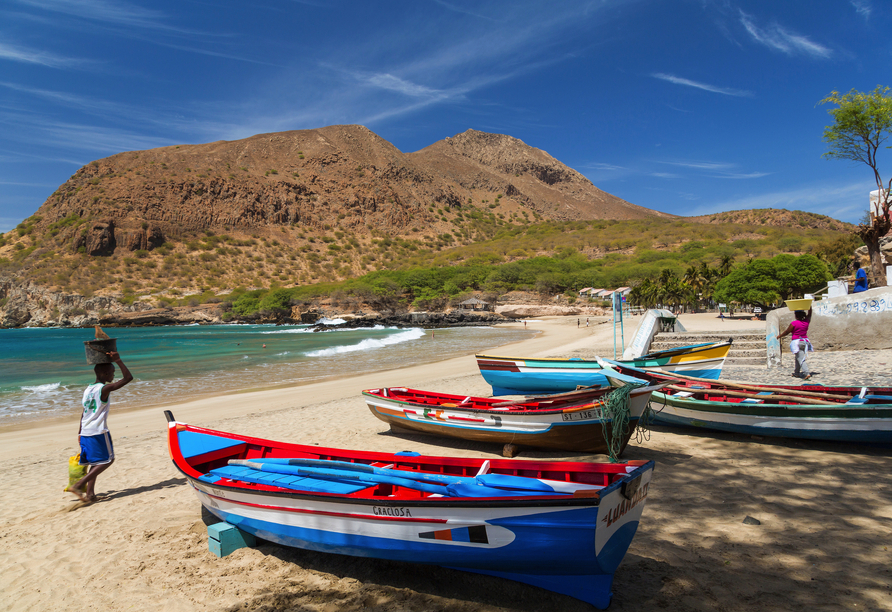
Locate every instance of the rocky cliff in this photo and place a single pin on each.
(24, 303)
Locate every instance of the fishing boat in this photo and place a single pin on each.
(521, 375)
(562, 526)
(849, 414)
(584, 420)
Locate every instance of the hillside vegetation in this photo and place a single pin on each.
(549, 257)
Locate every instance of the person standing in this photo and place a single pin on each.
(799, 344)
(94, 438)
(860, 279)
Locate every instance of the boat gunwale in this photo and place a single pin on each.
(597, 404)
(691, 403)
(543, 501)
(654, 355)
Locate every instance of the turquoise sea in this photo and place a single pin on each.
(45, 370)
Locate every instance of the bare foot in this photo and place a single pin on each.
(81, 494)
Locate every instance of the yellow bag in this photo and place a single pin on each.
(76, 471)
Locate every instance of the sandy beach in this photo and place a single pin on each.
(823, 543)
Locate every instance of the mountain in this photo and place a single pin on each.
(478, 161)
(343, 177)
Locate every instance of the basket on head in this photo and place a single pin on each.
(96, 350)
(804, 304)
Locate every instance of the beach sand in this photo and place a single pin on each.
(823, 543)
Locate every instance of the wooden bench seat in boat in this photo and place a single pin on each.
(285, 481)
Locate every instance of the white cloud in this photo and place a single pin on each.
(700, 165)
(778, 38)
(106, 11)
(396, 84)
(711, 88)
(602, 167)
(31, 56)
(862, 7)
(720, 170)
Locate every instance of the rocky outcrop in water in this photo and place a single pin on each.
(426, 320)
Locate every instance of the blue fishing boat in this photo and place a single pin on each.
(562, 526)
(524, 375)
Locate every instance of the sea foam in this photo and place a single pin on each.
(43, 389)
(369, 344)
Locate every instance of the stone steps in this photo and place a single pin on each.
(747, 348)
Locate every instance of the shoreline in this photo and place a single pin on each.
(16, 438)
(219, 371)
(825, 514)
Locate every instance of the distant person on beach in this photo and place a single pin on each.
(860, 279)
(799, 344)
(93, 436)
(722, 316)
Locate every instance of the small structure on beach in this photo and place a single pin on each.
(474, 304)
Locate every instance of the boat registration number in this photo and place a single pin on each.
(582, 415)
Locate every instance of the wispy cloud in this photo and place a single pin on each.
(73, 137)
(700, 165)
(720, 170)
(862, 7)
(467, 58)
(108, 12)
(20, 184)
(462, 10)
(31, 56)
(704, 86)
(601, 167)
(73, 101)
(398, 85)
(780, 39)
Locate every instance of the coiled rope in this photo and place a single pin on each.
(617, 412)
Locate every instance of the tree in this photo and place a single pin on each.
(862, 123)
(838, 253)
(762, 282)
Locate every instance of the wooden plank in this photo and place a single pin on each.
(748, 386)
(760, 396)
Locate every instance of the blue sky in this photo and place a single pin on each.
(685, 106)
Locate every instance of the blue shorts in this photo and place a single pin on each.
(97, 450)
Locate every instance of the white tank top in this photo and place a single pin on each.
(95, 411)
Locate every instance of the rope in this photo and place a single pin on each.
(617, 411)
(642, 431)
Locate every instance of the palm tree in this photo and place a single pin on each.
(726, 263)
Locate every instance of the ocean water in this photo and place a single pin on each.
(45, 370)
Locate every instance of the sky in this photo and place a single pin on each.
(685, 106)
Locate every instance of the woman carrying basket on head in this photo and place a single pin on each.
(799, 344)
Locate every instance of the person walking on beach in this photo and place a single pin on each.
(799, 344)
(93, 436)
